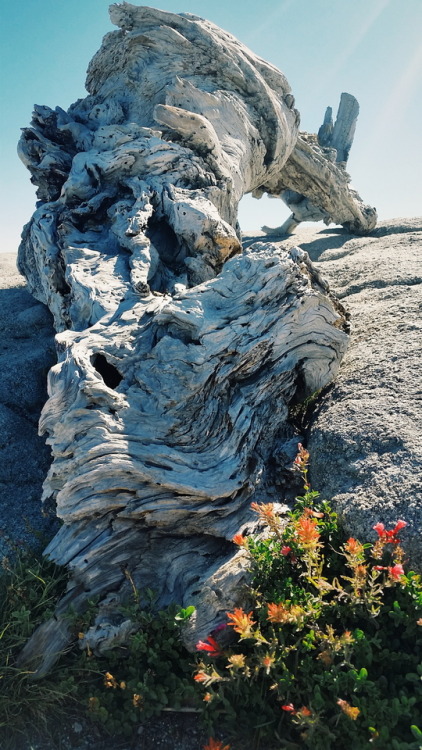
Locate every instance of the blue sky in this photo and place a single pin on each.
(370, 48)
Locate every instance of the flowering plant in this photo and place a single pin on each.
(326, 656)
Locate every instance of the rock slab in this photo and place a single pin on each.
(365, 440)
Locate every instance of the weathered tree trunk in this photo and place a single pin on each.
(314, 183)
(167, 409)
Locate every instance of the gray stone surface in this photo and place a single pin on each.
(365, 440)
(26, 353)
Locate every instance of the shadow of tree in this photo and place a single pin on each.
(27, 352)
(317, 243)
(328, 239)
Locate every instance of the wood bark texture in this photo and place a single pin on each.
(178, 353)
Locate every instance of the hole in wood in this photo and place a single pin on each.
(108, 372)
(166, 243)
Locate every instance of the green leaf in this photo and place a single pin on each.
(184, 613)
(416, 732)
(412, 677)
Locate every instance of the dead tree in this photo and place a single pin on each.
(178, 353)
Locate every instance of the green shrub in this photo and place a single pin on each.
(152, 672)
(117, 691)
(330, 654)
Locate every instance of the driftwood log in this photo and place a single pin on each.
(178, 353)
(314, 183)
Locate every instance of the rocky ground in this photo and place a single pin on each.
(364, 438)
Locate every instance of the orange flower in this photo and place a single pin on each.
(302, 459)
(353, 547)
(207, 679)
(207, 698)
(240, 540)
(137, 700)
(242, 623)
(267, 515)
(265, 510)
(281, 614)
(326, 658)
(351, 711)
(307, 531)
(237, 661)
(213, 744)
(201, 677)
(267, 662)
(109, 680)
(360, 571)
(347, 637)
(304, 711)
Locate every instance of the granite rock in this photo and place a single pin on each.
(365, 439)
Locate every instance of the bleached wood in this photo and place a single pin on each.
(344, 127)
(178, 353)
(314, 183)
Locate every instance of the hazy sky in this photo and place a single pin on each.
(370, 48)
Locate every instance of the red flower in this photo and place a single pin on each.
(399, 525)
(379, 528)
(289, 707)
(396, 572)
(389, 537)
(210, 645)
(285, 550)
